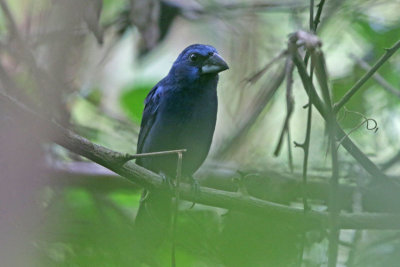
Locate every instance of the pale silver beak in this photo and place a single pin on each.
(214, 64)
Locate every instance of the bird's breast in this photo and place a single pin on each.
(185, 119)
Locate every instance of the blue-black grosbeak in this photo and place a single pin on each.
(180, 113)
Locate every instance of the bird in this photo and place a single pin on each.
(180, 113)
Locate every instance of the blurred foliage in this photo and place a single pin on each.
(132, 101)
(107, 85)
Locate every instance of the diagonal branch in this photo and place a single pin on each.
(360, 82)
(353, 150)
(377, 77)
(212, 197)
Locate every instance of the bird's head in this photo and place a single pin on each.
(197, 61)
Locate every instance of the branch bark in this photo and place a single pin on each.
(377, 77)
(353, 150)
(207, 196)
(362, 80)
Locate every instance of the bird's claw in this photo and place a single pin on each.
(168, 182)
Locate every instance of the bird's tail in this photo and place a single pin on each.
(153, 220)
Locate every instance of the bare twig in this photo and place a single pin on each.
(176, 206)
(254, 7)
(357, 235)
(391, 162)
(289, 148)
(334, 183)
(362, 80)
(318, 61)
(331, 123)
(377, 77)
(306, 144)
(151, 154)
(318, 15)
(256, 76)
(311, 17)
(289, 105)
(207, 196)
(257, 107)
(274, 186)
(353, 150)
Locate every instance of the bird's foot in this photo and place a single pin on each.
(169, 183)
(195, 189)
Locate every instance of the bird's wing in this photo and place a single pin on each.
(149, 114)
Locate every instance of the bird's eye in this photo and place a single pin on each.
(193, 57)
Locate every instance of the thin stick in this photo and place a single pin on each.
(207, 196)
(377, 77)
(357, 154)
(289, 105)
(306, 145)
(333, 203)
(311, 15)
(306, 148)
(289, 147)
(361, 82)
(175, 218)
(391, 161)
(256, 76)
(151, 154)
(318, 15)
(331, 123)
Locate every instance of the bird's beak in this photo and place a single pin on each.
(214, 64)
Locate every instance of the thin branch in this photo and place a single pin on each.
(377, 77)
(289, 105)
(289, 148)
(269, 185)
(254, 7)
(361, 82)
(334, 208)
(251, 116)
(353, 150)
(391, 161)
(357, 235)
(207, 196)
(317, 19)
(176, 206)
(306, 144)
(318, 61)
(306, 148)
(311, 18)
(128, 157)
(321, 73)
(256, 76)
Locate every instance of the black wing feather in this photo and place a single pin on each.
(149, 114)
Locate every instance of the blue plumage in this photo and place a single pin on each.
(181, 110)
(180, 113)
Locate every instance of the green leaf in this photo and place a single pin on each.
(132, 101)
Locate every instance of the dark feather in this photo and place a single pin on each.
(150, 110)
(180, 113)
